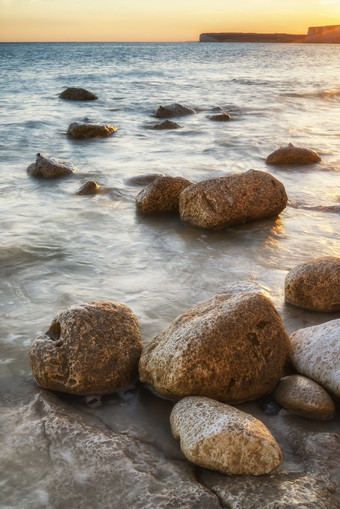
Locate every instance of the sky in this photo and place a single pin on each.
(157, 20)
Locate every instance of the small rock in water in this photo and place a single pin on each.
(93, 401)
(269, 405)
(221, 117)
(49, 167)
(173, 110)
(90, 187)
(88, 129)
(167, 124)
(77, 94)
(143, 180)
(293, 155)
(162, 195)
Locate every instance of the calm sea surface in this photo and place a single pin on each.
(59, 249)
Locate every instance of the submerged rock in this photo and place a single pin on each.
(173, 110)
(88, 129)
(315, 285)
(230, 348)
(293, 155)
(77, 94)
(221, 117)
(91, 348)
(49, 167)
(167, 124)
(225, 201)
(143, 180)
(162, 195)
(314, 352)
(90, 187)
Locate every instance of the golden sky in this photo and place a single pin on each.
(157, 20)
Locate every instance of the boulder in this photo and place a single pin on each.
(143, 180)
(231, 348)
(173, 110)
(236, 199)
(88, 129)
(293, 155)
(91, 348)
(77, 94)
(90, 187)
(162, 195)
(221, 117)
(314, 352)
(49, 167)
(220, 437)
(167, 124)
(304, 397)
(315, 285)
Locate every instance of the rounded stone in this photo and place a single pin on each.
(162, 195)
(231, 348)
(49, 167)
(315, 285)
(88, 129)
(304, 397)
(220, 437)
(92, 348)
(236, 199)
(293, 155)
(221, 117)
(168, 124)
(77, 94)
(90, 187)
(173, 110)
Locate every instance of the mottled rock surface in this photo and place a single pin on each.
(220, 117)
(315, 353)
(162, 195)
(49, 167)
(220, 437)
(173, 110)
(225, 201)
(88, 129)
(77, 94)
(167, 124)
(230, 348)
(315, 285)
(90, 187)
(304, 397)
(293, 155)
(91, 348)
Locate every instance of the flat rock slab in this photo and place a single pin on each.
(49, 167)
(162, 195)
(77, 94)
(87, 129)
(173, 110)
(292, 155)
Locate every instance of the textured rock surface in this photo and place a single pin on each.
(89, 187)
(315, 285)
(168, 124)
(88, 129)
(225, 201)
(90, 348)
(77, 94)
(293, 155)
(305, 397)
(220, 437)
(162, 195)
(221, 117)
(315, 353)
(173, 110)
(49, 167)
(230, 348)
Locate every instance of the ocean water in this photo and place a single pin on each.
(59, 249)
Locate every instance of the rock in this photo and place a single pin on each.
(220, 437)
(315, 285)
(293, 155)
(173, 110)
(304, 397)
(90, 187)
(230, 348)
(314, 352)
(225, 201)
(162, 195)
(143, 180)
(88, 129)
(221, 117)
(168, 124)
(91, 348)
(48, 167)
(77, 94)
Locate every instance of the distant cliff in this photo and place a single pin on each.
(327, 34)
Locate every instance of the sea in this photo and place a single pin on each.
(58, 249)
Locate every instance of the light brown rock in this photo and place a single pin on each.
(230, 348)
(49, 167)
(90, 187)
(225, 201)
(220, 117)
(173, 110)
(304, 397)
(162, 195)
(293, 155)
(91, 348)
(88, 129)
(220, 437)
(315, 285)
(77, 94)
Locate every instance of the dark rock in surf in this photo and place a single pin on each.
(143, 180)
(221, 117)
(293, 155)
(90, 187)
(49, 167)
(162, 195)
(88, 129)
(167, 124)
(173, 110)
(77, 94)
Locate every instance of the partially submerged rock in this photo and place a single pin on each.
(143, 180)
(173, 110)
(88, 129)
(315, 285)
(220, 437)
(314, 352)
(167, 124)
(230, 348)
(91, 348)
(221, 117)
(90, 187)
(162, 195)
(304, 397)
(49, 167)
(77, 94)
(225, 201)
(293, 155)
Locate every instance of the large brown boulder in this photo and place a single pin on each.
(91, 348)
(49, 167)
(225, 201)
(293, 155)
(173, 110)
(88, 129)
(315, 285)
(230, 348)
(77, 94)
(162, 195)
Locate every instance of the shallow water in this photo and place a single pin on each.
(59, 249)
